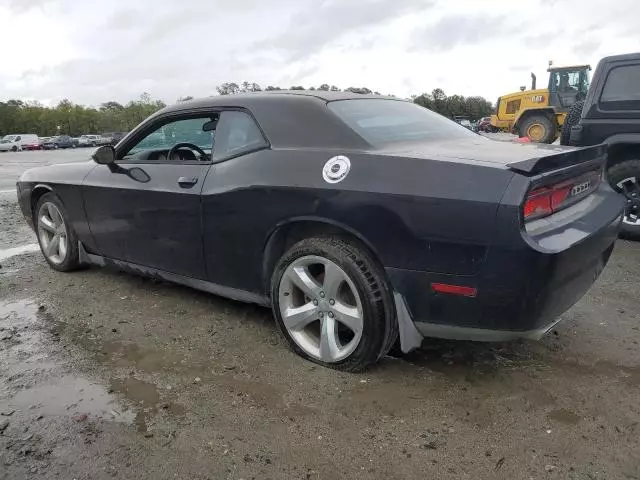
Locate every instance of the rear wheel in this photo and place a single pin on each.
(539, 129)
(14, 149)
(57, 239)
(573, 117)
(332, 304)
(625, 178)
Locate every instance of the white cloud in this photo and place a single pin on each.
(93, 52)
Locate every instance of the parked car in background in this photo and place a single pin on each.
(462, 120)
(61, 141)
(111, 138)
(16, 142)
(105, 139)
(484, 125)
(89, 140)
(117, 137)
(37, 145)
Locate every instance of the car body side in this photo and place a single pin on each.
(425, 217)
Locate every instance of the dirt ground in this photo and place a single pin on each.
(107, 375)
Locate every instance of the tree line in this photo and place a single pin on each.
(17, 116)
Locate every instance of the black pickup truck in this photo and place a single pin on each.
(610, 114)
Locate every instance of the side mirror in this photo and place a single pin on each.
(104, 155)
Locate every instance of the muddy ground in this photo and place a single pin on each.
(107, 375)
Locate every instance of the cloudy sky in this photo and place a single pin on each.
(92, 51)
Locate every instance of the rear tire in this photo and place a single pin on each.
(624, 177)
(361, 288)
(573, 118)
(539, 129)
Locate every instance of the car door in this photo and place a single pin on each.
(145, 208)
(234, 212)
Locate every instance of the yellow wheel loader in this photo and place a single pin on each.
(540, 113)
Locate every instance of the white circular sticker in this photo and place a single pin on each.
(336, 169)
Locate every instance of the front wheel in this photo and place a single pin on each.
(624, 177)
(57, 239)
(333, 305)
(539, 129)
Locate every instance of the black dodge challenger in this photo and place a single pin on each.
(361, 220)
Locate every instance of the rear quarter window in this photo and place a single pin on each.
(383, 121)
(621, 90)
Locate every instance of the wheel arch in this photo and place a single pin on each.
(37, 193)
(622, 147)
(287, 233)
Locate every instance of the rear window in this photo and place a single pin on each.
(381, 121)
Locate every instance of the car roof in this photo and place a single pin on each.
(289, 118)
(626, 56)
(246, 99)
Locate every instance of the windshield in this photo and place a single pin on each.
(563, 81)
(382, 121)
(8, 139)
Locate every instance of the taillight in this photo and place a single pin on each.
(546, 200)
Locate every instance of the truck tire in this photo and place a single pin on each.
(539, 129)
(624, 177)
(573, 117)
(333, 305)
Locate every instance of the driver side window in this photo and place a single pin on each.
(157, 144)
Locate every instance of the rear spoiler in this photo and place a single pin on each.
(565, 158)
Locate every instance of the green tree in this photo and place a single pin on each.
(228, 88)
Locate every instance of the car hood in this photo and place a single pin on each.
(68, 173)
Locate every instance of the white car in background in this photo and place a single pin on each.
(14, 143)
(89, 140)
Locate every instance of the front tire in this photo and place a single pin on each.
(539, 129)
(58, 242)
(624, 177)
(332, 304)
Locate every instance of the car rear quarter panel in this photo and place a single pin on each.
(417, 214)
(65, 180)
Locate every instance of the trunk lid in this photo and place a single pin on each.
(525, 158)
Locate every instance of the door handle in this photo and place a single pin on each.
(187, 182)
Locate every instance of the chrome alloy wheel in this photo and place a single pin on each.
(630, 188)
(321, 308)
(52, 233)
